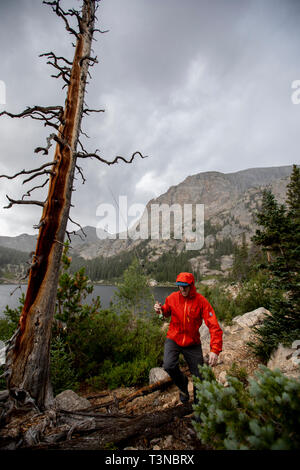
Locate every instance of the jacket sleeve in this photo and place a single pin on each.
(166, 308)
(216, 333)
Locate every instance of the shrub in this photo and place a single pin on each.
(225, 307)
(9, 324)
(264, 415)
(63, 375)
(106, 347)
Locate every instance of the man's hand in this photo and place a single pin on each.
(157, 308)
(212, 359)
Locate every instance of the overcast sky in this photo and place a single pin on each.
(197, 85)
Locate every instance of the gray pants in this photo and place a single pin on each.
(193, 356)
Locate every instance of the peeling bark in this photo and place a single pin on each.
(27, 366)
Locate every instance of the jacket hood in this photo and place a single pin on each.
(189, 278)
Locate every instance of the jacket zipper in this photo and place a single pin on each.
(184, 314)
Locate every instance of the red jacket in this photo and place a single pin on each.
(187, 314)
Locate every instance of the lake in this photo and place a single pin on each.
(9, 294)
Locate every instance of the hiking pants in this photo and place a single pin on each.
(193, 356)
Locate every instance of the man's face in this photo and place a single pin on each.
(185, 290)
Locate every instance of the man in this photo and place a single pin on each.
(187, 309)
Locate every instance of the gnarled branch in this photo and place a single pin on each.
(95, 155)
(35, 187)
(63, 14)
(42, 111)
(28, 172)
(51, 55)
(87, 111)
(21, 201)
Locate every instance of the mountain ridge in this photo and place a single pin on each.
(230, 201)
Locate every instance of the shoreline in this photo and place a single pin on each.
(14, 282)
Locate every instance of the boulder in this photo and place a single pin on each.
(287, 360)
(157, 374)
(70, 401)
(222, 379)
(250, 319)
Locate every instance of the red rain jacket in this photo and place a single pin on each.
(187, 314)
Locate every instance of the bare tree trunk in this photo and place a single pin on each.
(28, 356)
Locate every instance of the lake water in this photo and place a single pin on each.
(10, 294)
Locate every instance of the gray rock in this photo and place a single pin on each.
(2, 353)
(253, 318)
(287, 360)
(157, 374)
(70, 401)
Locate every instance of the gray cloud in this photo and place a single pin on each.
(196, 85)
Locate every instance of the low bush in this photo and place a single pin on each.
(263, 415)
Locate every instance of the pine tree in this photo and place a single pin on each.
(280, 237)
(240, 268)
(293, 192)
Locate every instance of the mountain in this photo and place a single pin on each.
(230, 201)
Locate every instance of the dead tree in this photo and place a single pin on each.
(27, 363)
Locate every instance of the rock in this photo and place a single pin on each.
(152, 283)
(70, 401)
(287, 360)
(157, 374)
(2, 353)
(226, 262)
(222, 379)
(205, 338)
(168, 441)
(209, 282)
(250, 319)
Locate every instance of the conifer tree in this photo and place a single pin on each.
(280, 237)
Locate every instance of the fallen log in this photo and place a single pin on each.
(116, 429)
(59, 429)
(161, 385)
(118, 404)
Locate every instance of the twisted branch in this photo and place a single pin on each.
(54, 56)
(78, 225)
(95, 155)
(55, 111)
(87, 111)
(28, 172)
(21, 201)
(40, 113)
(35, 187)
(63, 14)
